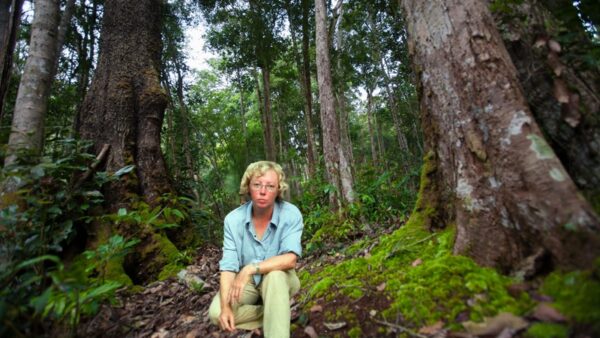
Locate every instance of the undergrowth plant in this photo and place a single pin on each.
(42, 202)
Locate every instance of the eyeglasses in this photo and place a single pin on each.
(258, 186)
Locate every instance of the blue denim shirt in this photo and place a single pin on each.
(241, 245)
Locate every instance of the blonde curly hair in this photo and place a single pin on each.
(258, 169)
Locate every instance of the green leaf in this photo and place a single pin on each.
(178, 213)
(126, 169)
(93, 193)
(167, 225)
(122, 212)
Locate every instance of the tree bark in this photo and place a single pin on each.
(492, 173)
(305, 87)
(124, 107)
(308, 87)
(563, 94)
(268, 126)
(10, 19)
(374, 156)
(333, 153)
(27, 131)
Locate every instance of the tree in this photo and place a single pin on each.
(124, 108)
(27, 130)
(335, 159)
(558, 68)
(490, 170)
(10, 18)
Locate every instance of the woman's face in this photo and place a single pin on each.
(264, 189)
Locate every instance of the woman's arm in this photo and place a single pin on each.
(226, 318)
(282, 262)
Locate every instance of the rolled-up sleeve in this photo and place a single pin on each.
(230, 261)
(292, 236)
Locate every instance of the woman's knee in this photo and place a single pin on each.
(214, 311)
(276, 276)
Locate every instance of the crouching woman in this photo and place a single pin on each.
(260, 246)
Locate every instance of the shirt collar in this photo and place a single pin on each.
(274, 217)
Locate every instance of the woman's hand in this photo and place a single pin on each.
(226, 319)
(240, 281)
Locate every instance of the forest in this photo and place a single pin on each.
(444, 155)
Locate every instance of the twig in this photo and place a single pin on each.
(399, 327)
(93, 166)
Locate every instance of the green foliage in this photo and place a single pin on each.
(117, 247)
(547, 330)
(576, 294)
(160, 217)
(41, 205)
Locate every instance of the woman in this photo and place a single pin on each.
(260, 246)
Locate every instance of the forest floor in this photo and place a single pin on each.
(170, 308)
(176, 308)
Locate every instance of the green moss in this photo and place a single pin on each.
(169, 270)
(355, 332)
(169, 257)
(576, 295)
(114, 268)
(547, 330)
(114, 271)
(319, 288)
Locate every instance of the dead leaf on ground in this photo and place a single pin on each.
(160, 334)
(381, 287)
(310, 331)
(417, 262)
(545, 312)
(495, 325)
(432, 329)
(316, 308)
(334, 326)
(554, 46)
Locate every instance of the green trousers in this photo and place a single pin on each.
(273, 315)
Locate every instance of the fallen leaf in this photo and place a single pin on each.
(539, 42)
(417, 262)
(160, 334)
(316, 308)
(561, 92)
(334, 326)
(516, 289)
(310, 331)
(554, 46)
(431, 329)
(381, 287)
(495, 325)
(546, 313)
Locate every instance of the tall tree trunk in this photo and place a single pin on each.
(125, 109)
(261, 110)
(334, 155)
(314, 158)
(243, 116)
(374, 156)
(392, 102)
(346, 156)
(27, 131)
(10, 19)
(491, 172)
(268, 126)
(564, 95)
(306, 92)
